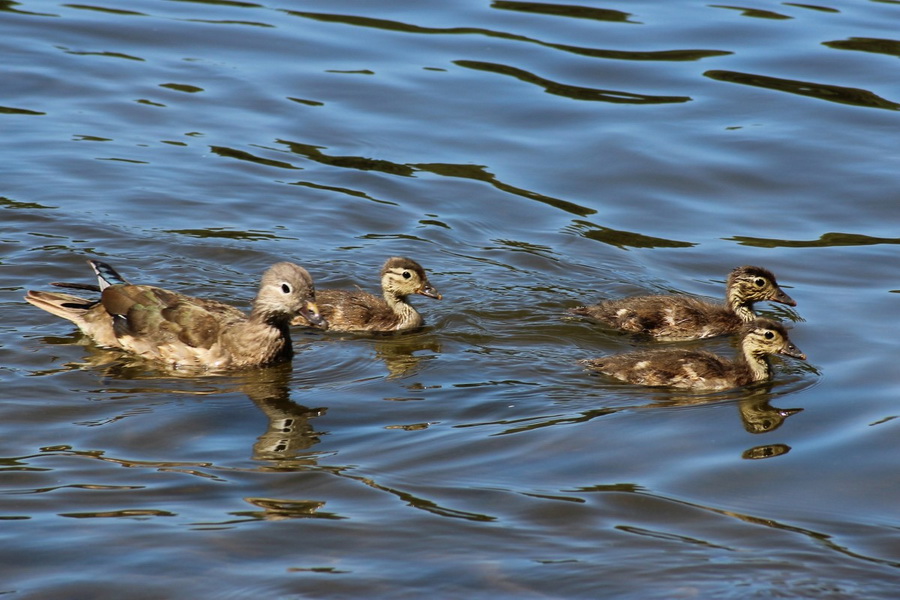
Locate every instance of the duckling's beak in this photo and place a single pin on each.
(430, 292)
(790, 349)
(310, 312)
(783, 298)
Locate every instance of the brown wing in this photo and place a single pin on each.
(157, 316)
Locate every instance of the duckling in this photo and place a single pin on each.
(699, 370)
(183, 331)
(679, 317)
(355, 310)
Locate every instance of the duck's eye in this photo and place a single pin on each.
(406, 274)
(769, 335)
(759, 282)
(286, 288)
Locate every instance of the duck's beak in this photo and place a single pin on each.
(783, 298)
(790, 349)
(311, 313)
(429, 291)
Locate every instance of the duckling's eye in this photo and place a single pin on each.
(286, 288)
(406, 274)
(769, 335)
(759, 282)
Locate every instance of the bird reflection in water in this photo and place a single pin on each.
(406, 354)
(289, 434)
(757, 415)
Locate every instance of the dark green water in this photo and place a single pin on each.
(532, 156)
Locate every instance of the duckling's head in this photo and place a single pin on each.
(401, 277)
(287, 290)
(765, 336)
(749, 284)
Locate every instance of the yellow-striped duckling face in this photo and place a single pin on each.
(402, 277)
(748, 284)
(764, 336)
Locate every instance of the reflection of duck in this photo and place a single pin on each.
(758, 416)
(289, 432)
(700, 370)
(678, 317)
(403, 356)
(355, 310)
(183, 331)
(767, 451)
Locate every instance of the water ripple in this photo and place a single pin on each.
(570, 91)
(821, 91)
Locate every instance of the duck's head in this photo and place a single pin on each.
(764, 336)
(403, 276)
(749, 284)
(287, 289)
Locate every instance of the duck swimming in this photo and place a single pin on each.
(677, 317)
(699, 370)
(184, 331)
(356, 310)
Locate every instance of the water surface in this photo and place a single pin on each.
(532, 156)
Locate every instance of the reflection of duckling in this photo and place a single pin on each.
(184, 331)
(700, 370)
(758, 416)
(355, 310)
(679, 317)
(767, 451)
(404, 355)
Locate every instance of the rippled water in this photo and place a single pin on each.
(532, 156)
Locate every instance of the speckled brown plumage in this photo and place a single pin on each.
(355, 310)
(183, 331)
(676, 317)
(700, 370)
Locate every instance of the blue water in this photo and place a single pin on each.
(532, 157)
